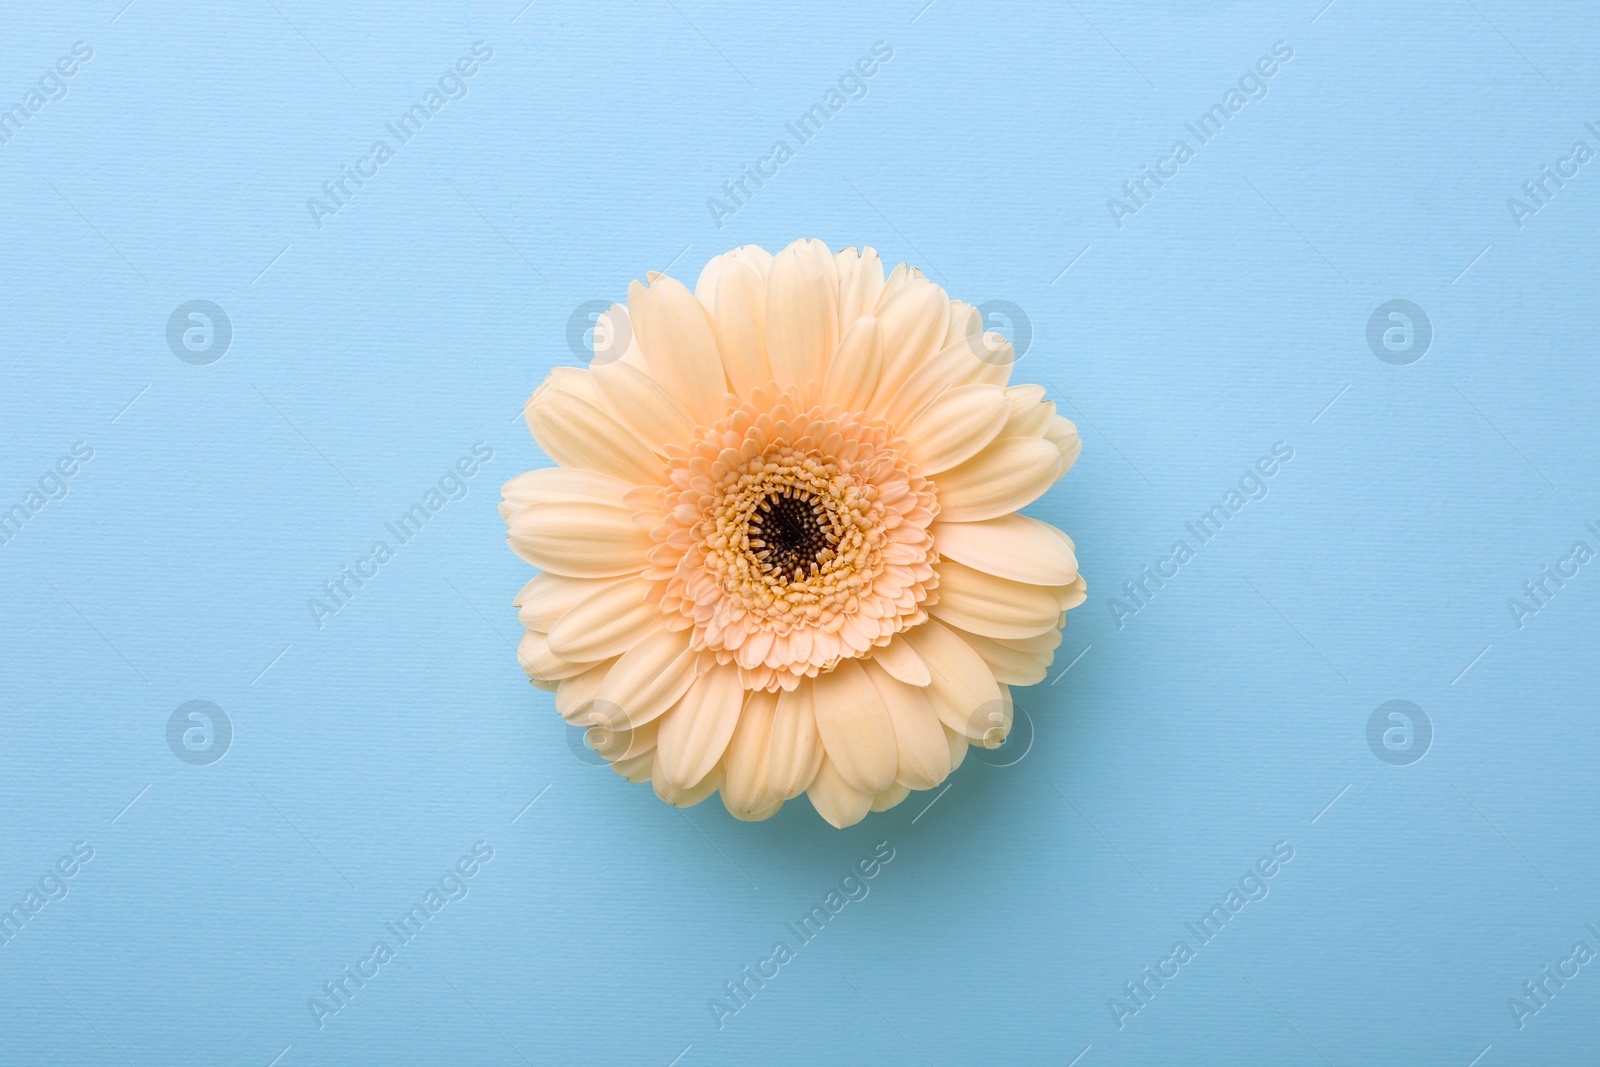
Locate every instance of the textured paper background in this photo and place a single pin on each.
(1227, 314)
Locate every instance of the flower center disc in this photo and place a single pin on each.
(788, 534)
(791, 538)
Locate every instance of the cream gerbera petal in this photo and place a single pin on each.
(751, 257)
(620, 744)
(615, 339)
(705, 287)
(901, 277)
(913, 321)
(994, 607)
(890, 797)
(559, 485)
(902, 662)
(1010, 473)
(756, 258)
(1013, 665)
(853, 374)
(744, 791)
(954, 426)
(575, 695)
(963, 692)
(958, 748)
(579, 539)
(609, 622)
(686, 798)
(1030, 413)
(835, 799)
(566, 418)
(860, 282)
(648, 678)
(741, 322)
(1064, 435)
(795, 751)
(855, 727)
(542, 666)
(638, 768)
(952, 366)
(1039, 644)
(549, 596)
(694, 733)
(640, 403)
(781, 550)
(1011, 546)
(964, 324)
(680, 345)
(802, 318)
(922, 758)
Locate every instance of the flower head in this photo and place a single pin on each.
(781, 551)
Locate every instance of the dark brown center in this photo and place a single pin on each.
(788, 533)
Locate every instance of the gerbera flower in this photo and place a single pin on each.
(782, 551)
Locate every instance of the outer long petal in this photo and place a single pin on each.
(1009, 474)
(835, 799)
(568, 421)
(679, 345)
(648, 678)
(795, 750)
(1010, 546)
(802, 318)
(694, 734)
(855, 727)
(744, 792)
(964, 693)
(923, 757)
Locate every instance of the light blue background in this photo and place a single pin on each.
(369, 354)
